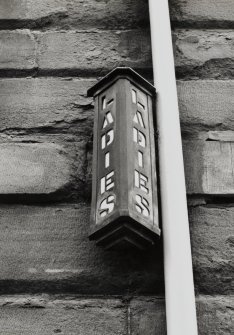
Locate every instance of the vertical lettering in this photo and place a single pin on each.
(139, 137)
(140, 105)
(107, 138)
(107, 182)
(141, 181)
(107, 206)
(138, 118)
(103, 102)
(108, 119)
(142, 205)
(134, 96)
(107, 160)
(140, 158)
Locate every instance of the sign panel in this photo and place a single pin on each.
(124, 194)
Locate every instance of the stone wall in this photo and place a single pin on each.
(52, 279)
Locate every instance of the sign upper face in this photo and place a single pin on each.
(124, 188)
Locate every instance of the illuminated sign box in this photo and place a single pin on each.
(124, 188)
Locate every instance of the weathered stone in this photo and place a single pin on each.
(147, 316)
(195, 47)
(94, 51)
(206, 12)
(214, 314)
(223, 136)
(33, 168)
(29, 9)
(212, 241)
(204, 53)
(112, 13)
(46, 103)
(46, 249)
(206, 103)
(55, 102)
(67, 13)
(80, 52)
(18, 50)
(102, 51)
(209, 167)
(64, 315)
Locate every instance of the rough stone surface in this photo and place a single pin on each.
(147, 316)
(29, 9)
(198, 53)
(196, 12)
(46, 249)
(46, 103)
(57, 102)
(70, 13)
(33, 168)
(77, 52)
(214, 314)
(195, 47)
(206, 104)
(18, 50)
(43, 314)
(63, 315)
(112, 13)
(209, 167)
(94, 50)
(212, 241)
(204, 53)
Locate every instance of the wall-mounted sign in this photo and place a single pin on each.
(124, 188)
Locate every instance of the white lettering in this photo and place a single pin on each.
(140, 158)
(108, 119)
(139, 119)
(107, 160)
(134, 96)
(107, 182)
(142, 205)
(139, 137)
(107, 139)
(141, 181)
(107, 206)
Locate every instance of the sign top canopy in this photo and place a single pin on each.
(121, 72)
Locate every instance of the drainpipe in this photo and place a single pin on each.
(179, 287)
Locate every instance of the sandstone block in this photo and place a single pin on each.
(94, 51)
(195, 47)
(128, 13)
(196, 12)
(214, 315)
(67, 13)
(147, 316)
(204, 53)
(212, 241)
(206, 103)
(33, 168)
(29, 103)
(46, 249)
(18, 50)
(198, 53)
(29, 9)
(64, 315)
(54, 102)
(209, 167)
